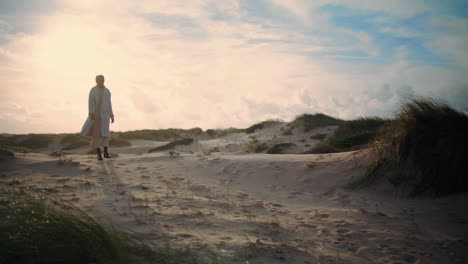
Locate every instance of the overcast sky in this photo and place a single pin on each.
(218, 64)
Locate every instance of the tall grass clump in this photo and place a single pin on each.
(40, 229)
(424, 152)
(262, 124)
(312, 121)
(36, 229)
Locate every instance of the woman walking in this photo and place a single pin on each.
(100, 111)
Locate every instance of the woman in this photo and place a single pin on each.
(97, 123)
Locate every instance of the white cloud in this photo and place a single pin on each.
(161, 78)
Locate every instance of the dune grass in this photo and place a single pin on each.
(73, 141)
(221, 132)
(6, 153)
(170, 145)
(352, 134)
(29, 141)
(117, 140)
(312, 121)
(36, 228)
(262, 124)
(424, 150)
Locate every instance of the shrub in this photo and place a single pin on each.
(170, 145)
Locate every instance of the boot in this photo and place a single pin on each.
(106, 154)
(99, 156)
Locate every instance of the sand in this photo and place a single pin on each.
(254, 208)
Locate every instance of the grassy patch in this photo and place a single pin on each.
(73, 141)
(361, 126)
(170, 145)
(29, 141)
(261, 125)
(424, 149)
(117, 140)
(40, 229)
(347, 142)
(216, 133)
(312, 121)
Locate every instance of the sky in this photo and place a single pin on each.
(220, 63)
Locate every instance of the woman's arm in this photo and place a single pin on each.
(91, 103)
(110, 108)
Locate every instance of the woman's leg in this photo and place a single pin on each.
(106, 146)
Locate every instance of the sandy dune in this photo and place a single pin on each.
(254, 208)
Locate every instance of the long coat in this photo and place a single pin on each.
(106, 111)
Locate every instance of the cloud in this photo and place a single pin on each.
(212, 63)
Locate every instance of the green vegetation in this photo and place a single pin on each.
(361, 126)
(353, 134)
(312, 121)
(347, 142)
(216, 133)
(30, 141)
(73, 141)
(151, 134)
(423, 151)
(170, 145)
(261, 125)
(117, 140)
(39, 229)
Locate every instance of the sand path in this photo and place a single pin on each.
(254, 208)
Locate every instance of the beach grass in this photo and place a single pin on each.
(37, 228)
(261, 125)
(423, 150)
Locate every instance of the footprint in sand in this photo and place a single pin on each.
(343, 231)
(322, 215)
(184, 235)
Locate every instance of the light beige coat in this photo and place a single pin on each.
(106, 111)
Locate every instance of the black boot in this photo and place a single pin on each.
(106, 154)
(99, 156)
